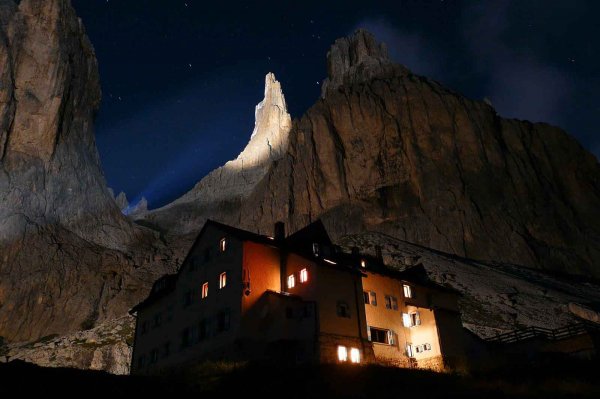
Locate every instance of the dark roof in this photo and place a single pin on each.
(314, 232)
(300, 243)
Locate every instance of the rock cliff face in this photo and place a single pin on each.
(389, 151)
(68, 257)
(220, 193)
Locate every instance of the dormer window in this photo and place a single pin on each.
(223, 244)
(303, 275)
(291, 281)
(315, 249)
(408, 292)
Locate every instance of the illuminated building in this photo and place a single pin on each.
(296, 299)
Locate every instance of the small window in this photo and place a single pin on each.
(202, 330)
(224, 321)
(408, 292)
(411, 319)
(141, 362)
(291, 281)
(342, 353)
(169, 312)
(204, 290)
(343, 310)
(391, 302)
(187, 299)
(166, 349)
(354, 355)
(419, 349)
(427, 347)
(303, 276)
(153, 356)
(144, 328)
(409, 350)
(157, 320)
(381, 336)
(363, 263)
(373, 298)
(315, 247)
(289, 312)
(185, 338)
(222, 280)
(223, 244)
(367, 297)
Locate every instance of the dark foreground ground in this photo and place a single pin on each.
(548, 380)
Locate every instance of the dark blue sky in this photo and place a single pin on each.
(180, 79)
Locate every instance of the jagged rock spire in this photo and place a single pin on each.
(355, 59)
(271, 126)
(237, 178)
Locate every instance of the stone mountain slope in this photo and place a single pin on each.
(68, 257)
(389, 151)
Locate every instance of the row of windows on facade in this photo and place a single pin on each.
(207, 255)
(187, 301)
(189, 336)
(388, 337)
(391, 302)
(384, 336)
(188, 296)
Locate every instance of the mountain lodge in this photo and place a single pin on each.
(244, 296)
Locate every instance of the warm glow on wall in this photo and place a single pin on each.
(291, 282)
(354, 355)
(342, 353)
(303, 276)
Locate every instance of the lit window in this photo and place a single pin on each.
(291, 281)
(222, 280)
(409, 350)
(303, 276)
(381, 336)
(204, 290)
(407, 291)
(223, 244)
(342, 353)
(354, 355)
(363, 263)
(411, 319)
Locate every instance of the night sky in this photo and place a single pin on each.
(181, 79)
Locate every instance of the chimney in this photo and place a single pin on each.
(355, 251)
(378, 253)
(279, 232)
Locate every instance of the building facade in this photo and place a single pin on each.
(244, 296)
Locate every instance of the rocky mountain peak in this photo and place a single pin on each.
(355, 59)
(236, 179)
